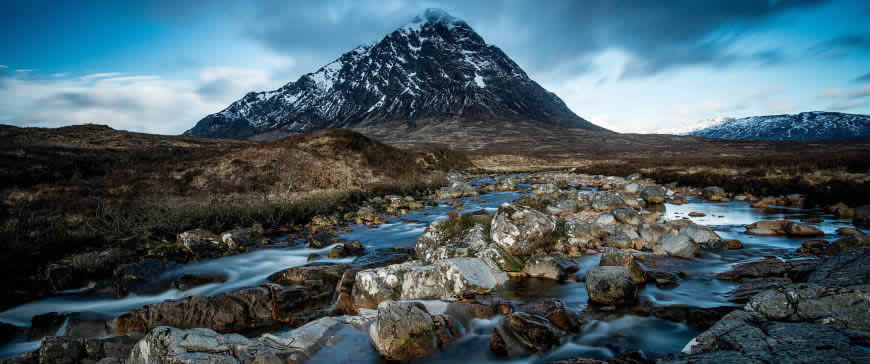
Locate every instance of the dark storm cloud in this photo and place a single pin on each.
(658, 35)
(217, 89)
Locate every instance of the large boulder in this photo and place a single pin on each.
(242, 238)
(782, 227)
(498, 258)
(449, 278)
(522, 230)
(610, 285)
(318, 278)
(406, 330)
(850, 268)
(626, 215)
(201, 243)
(552, 266)
(830, 306)
(703, 236)
(653, 194)
(144, 277)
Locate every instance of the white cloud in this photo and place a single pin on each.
(101, 75)
(136, 102)
(3, 66)
(59, 74)
(24, 70)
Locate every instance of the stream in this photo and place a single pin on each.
(599, 339)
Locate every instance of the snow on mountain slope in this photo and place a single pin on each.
(806, 126)
(436, 67)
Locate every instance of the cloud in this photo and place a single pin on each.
(3, 66)
(659, 35)
(830, 93)
(131, 102)
(849, 105)
(101, 75)
(843, 45)
(863, 78)
(24, 70)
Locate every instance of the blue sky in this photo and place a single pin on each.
(632, 66)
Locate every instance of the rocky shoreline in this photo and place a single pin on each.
(413, 302)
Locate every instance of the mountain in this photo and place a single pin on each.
(806, 126)
(434, 69)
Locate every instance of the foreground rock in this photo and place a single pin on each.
(747, 337)
(611, 285)
(653, 194)
(797, 270)
(58, 349)
(416, 280)
(171, 345)
(406, 330)
(247, 308)
(844, 308)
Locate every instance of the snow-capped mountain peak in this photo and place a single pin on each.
(805, 126)
(435, 67)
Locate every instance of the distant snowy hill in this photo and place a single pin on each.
(434, 68)
(806, 126)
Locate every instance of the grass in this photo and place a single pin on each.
(457, 224)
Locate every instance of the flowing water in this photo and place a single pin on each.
(599, 339)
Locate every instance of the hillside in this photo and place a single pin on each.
(806, 126)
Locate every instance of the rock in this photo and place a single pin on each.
(733, 244)
(605, 201)
(653, 194)
(230, 312)
(507, 184)
(498, 259)
(543, 189)
(189, 281)
(850, 268)
(633, 177)
(696, 317)
(626, 216)
(862, 216)
(850, 242)
(58, 349)
(652, 232)
(631, 188)
(703, 237)
(797, 229)
(679, 245)
(348, 249)
(406, 330)
(382, 257)
(457, 189)
(606, 220)
(714, 193)
(623, 258)
(447, 239)
(563, 207)
(750, 287)
(610, 285)
(343, 298)
(552, 266)
(242, 238)
(846, 231)
(319, 278)
(77, 270)
(521, 230)
(829, 306)
(201, 243)
(841, 210)
(449, 278)
(142, 278)
(697, 214)
(744, 337)
(798, 270)
(533, 331)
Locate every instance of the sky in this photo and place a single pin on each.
(634, 66)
